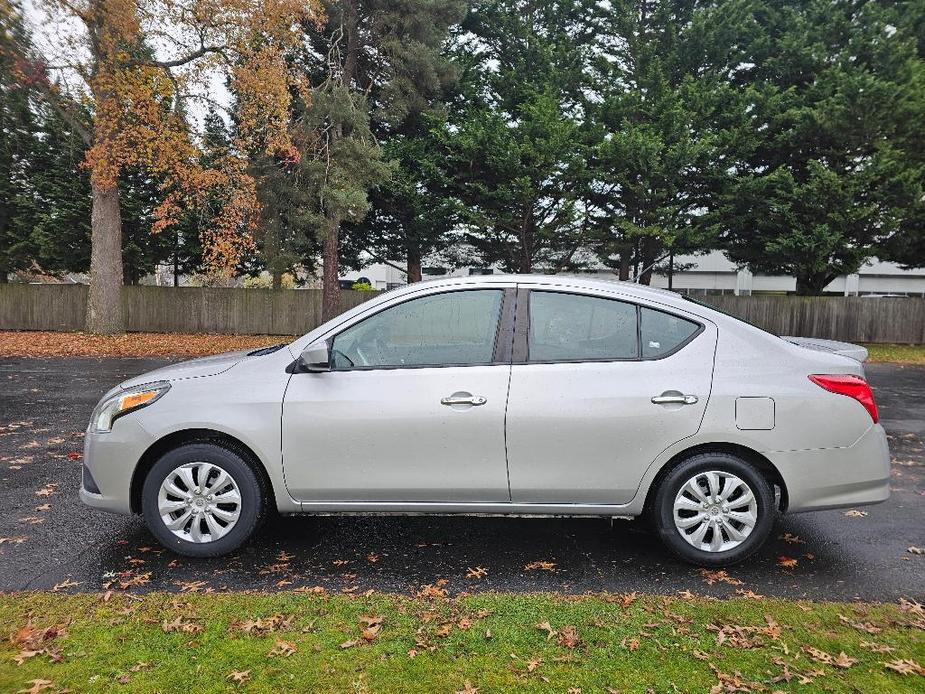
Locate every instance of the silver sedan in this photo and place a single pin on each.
(518, 395)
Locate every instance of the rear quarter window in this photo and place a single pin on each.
(662, 332)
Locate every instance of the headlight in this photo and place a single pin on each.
(122, 403)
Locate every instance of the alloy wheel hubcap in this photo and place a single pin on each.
(715, 511)
(199, 502)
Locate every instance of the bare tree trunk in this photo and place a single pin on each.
(624, 265)
(277, 279)
(812, 283)
(414, 265)
(330, 289)
(648, 260)
(104, 301)
(4, 277)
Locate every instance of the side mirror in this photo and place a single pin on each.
(317, 356)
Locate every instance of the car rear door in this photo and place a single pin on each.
(600, 386)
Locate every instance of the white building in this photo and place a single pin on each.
(712, 273)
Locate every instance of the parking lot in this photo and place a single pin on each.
(48, 539)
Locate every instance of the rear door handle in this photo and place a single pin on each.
(463, 399)
(674, 398)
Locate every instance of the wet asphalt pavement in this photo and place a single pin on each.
(48, 539)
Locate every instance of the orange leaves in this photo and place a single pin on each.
(719, 576)
(33, 641)
(477, 572)
(48, 344)
(434, 590)
(138, 115)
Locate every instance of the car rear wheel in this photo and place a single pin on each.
(714, 509)
(203, 500)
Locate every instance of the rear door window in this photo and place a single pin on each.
(662, 332)
(575, 327)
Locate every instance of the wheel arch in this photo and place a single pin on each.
(185, 436)
(767, 469)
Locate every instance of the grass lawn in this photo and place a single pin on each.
(289, 642)
(899, 354)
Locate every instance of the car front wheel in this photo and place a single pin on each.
(203, 500)
(714, 509)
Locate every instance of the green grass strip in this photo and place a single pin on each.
(288, 642)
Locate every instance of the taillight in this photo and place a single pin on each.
(850, 385)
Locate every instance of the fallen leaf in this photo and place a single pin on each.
(876, 647)
(792, 539)
(179, 625)
(540, 565)
(786, 562)
(467, 688)
(719, 576)
(433, 590)
(372, 557)
(190, 586)
(905, 666)
(477, 572)
(239, 677)
(568, 637)
(843, 661)
(547, 627)
(853, 513)
(533, 664)
(37, 686)
(817, 655)
(916, 550)
(66, 583)
(282, 649)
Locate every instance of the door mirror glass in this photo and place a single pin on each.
(316, 357)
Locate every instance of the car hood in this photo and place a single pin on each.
(193, 368)
(845, 349)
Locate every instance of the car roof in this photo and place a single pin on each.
(630, 289)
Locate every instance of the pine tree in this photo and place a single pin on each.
(660, 96)
(821, 180)
(17, 144)
(516, 144)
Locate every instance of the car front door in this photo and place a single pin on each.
(412, 409)
(600, 387)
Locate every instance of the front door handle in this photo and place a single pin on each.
(463, 399)
(673, 397)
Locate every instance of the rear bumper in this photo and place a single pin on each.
(837, 477)
(110, 460)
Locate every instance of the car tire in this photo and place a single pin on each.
(177, 490)
(702, 528)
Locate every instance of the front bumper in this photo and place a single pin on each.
(110, 460)
(837, 477)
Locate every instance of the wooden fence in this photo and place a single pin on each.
(173, 309)
(293, 312)
(848, 318)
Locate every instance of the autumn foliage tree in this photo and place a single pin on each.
(133, 65)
